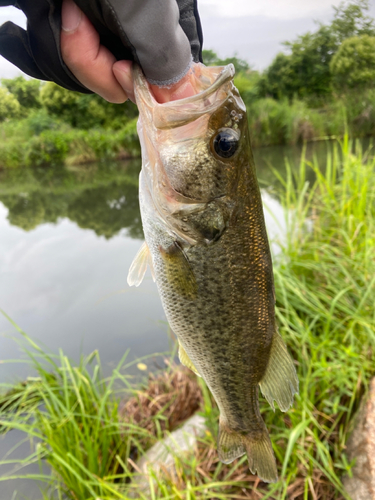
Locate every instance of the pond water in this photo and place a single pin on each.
(67, 239)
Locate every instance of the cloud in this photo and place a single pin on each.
(12, 14)
(280, 9)
(8, 70)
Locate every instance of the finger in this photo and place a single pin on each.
(186, 87)
(14, 46)
(177, 91)
(86, 58)
(123, 73)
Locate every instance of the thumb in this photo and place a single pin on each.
(89, 61)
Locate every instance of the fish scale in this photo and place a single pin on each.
(207, 244)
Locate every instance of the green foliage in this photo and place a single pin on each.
(49, 148)
(210, 58)
(25, 91)
(248, 84)
(350, 20)
(9, 106)
(11, 155)
(39, 120)
(309, 63)
(277, 80)
(61, 102)
(281, 122)
(305, 72)
(353, 65)
(76, 421)
(85, 110)
(54, 145)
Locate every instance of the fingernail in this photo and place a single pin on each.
(71, 15)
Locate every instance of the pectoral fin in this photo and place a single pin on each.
(179, 273)
(185, 360)
(139, 265)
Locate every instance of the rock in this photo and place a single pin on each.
(361, 447)
(161, 455)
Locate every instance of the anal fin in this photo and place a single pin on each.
(280, 382)
(185, 360)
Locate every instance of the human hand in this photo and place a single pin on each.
(96, 67)
(161, 36)
(93, 64)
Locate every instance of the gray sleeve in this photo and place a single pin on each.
(158, 31)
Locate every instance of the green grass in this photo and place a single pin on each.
(24, 145)
(325, 287)
(283, 122)
(72, 414)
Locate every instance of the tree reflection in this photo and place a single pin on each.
(108, 209)
(101, 198)
(24, 211)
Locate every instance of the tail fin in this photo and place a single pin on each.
(257, 446)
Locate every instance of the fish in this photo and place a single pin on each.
(207, 247)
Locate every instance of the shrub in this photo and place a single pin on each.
(280, 122)
(39, 120)
(47, 148)
(25, 91)
(11, 154)
(353, 65)
(9, 106)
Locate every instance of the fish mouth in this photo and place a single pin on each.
(217, 85)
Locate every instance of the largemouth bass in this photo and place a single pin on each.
(207, 246)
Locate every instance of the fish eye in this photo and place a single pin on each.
(226, 142)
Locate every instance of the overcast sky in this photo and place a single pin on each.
(252, 29)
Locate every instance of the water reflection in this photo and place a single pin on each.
(104, 197)
(101, 198)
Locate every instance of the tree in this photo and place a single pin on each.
(210, 58)
(59, 101)
(278, 78)
(108, 209)
(350, 20)
(25, 211)
(26, 91)
(9, 106)
(305, 71)
(353, 65)
(85, 110)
